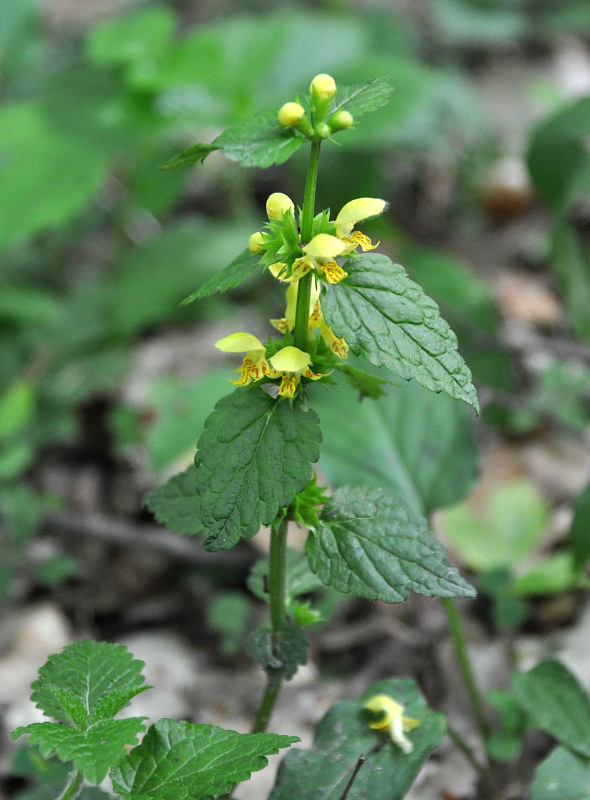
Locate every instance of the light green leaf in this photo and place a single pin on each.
(176, 504)
(93, 750)
(30, 306)
(553, 575)
(555, 702)
(259, 141)
(254, 455)
(387, 318)
(194, 154)
(501, 534)
(17, 405)
(359, 100)
(324, 771)
(376, 547)
(240, 269)
(132, 37)
(562, 776)
(180, 761)
(87, 682)
(412, 443)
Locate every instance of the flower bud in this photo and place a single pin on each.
(323, 87)
(278, 204)
(323, 130)
(290, 114)
(255, 242)
(341, 120)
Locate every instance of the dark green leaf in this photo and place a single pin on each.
(579, 535)
(180, 761)
(93, 750)
(259, 141)
(343, 735)
(412, 443)
(176, 504)
(87, 682)
(195, 154)
(367, 385)
(240, 269)
(376, 547)
(555, 702)
(387, 318)
(254, 455)
(281, 654)
(359, 100)
(562, 776)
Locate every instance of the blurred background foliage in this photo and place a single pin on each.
(98, 245)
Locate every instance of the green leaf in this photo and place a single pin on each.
(387, 318)
(27, 305)
(376, 547)
(194, 154)
(324, 771)
(17, 405)
(93, 750)
(562, 776)
(21, 510)
(240, 269)
(579, 540)
(412, 443)
(359, 100)
(555, 702)
(502, 533)
(180, 761)
(254, 455)
(131, 37)
(366, 384)
(553, 575)
(259, 141)
(279, 654)
(87, 682)
(300, 579)
(176, 504)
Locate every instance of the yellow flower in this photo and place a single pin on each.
(277, 270)
(254, 366)
(323, 86)
(290, 363)
(287, 323)
(320, 253)
(353, 212)
(337, 345)
(278, 204)
(392, 719)
(290, 114)
(255, 242)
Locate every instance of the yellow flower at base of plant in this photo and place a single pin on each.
(392, 719)
(290, 114)
(254, 366)
(320, 254)
(290, 363)
(278, 204)
(353, 212)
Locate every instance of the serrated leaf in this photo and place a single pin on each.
(562, 776)
(324, 771)
(253, 457)
(407, 443)
(176, 504)
(367, 385)
(259, 141)
(387, 318)
(279, 654)
(192, 155)
(240, 269)
(180, 761)
(555, 702)
(300, 579)
(359, 100)
(93, 750)
(375, 546)
(87, 682)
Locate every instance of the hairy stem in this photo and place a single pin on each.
(304, 288)
(73, 786)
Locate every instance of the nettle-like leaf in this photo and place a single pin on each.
(375, 546)
(279, 654)
(240, 269)
(562, 776)
(84, 686)
(343, 735)
(253, 457)
(181, 761)
(555, 702)
(359, 100)
(387, 318)
(176, 504)
(300, 579)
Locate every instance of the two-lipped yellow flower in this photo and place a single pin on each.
(289, 364)
(353, 212)
(320, 253)
(392, 719)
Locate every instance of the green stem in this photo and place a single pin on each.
(300, 333)
(73, 786)
(465, 665)
(465, 749)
